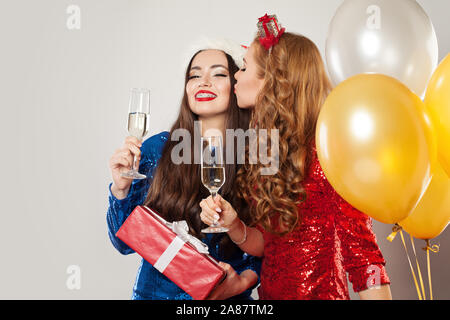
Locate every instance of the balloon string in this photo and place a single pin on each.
(410, 265)
(429, 273)
(434, 248)
(418, 269)
(395, 229)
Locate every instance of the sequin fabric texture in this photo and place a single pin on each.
(150, 284)
(333, 239)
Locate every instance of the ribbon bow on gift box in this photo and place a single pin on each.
(181, 229)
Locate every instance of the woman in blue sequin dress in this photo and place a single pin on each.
(174, 190)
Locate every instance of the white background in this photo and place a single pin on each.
(64, 97)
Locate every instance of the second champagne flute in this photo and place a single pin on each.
(212, 171)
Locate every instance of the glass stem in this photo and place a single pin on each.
(133, 166)
(214, 194)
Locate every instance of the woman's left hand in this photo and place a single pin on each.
(233, 284)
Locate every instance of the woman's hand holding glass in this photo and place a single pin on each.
(219, 210)
(249, 239)
(121, 161)
(138, 124)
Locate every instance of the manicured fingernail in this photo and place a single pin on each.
(216, 217)
(219, 210)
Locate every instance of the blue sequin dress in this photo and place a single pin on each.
(150, 284)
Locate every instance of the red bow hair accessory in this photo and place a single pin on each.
(269, 31)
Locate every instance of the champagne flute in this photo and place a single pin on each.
(138, 121)
(213, 171)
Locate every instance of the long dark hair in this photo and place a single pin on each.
(177, 190)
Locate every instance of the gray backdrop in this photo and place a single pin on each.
(64, 95)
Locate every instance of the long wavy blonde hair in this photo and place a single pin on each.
(295, 88)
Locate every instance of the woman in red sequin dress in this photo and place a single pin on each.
(309, 236)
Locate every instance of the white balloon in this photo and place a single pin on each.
(391, 37)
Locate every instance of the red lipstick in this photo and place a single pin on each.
(205, 95)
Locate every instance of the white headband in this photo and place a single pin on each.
(235, 50)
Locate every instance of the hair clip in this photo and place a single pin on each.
(269, 31)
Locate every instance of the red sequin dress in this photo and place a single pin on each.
(333, 239)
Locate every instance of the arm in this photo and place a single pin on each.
(123, 200)
(362, 257)
(120, 209)
(250, 240)
(376, 293)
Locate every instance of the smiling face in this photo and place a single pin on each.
(249, 81)
(208, 86)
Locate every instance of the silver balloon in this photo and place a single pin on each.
(391, 37)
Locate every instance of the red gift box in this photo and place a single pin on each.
(173, 251)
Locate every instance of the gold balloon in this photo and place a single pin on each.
(376, 145)
(432, 214)
(437, 101)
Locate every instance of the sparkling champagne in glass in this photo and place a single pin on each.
(137, 125)
(213, 171)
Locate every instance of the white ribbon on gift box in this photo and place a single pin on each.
(182, 230)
